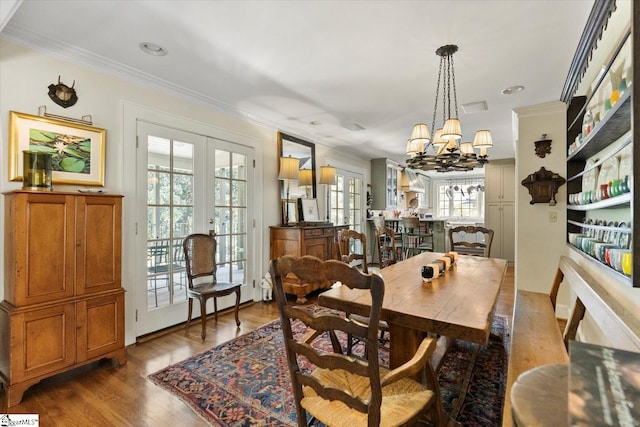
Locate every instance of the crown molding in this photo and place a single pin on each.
(70, 52)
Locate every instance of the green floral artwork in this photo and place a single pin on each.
(69, 153)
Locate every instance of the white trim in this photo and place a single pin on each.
(131, 114)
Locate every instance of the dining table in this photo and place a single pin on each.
(459, 304)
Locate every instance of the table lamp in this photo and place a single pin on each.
(327, 177)
(306, 180)
(288, 171)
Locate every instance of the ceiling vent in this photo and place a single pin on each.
(353, 127)
(475, 107)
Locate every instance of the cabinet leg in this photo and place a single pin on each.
(121, 356)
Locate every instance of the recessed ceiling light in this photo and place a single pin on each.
(512, 90)
(153, 49)
(315, 123)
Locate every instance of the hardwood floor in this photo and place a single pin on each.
(101, 394)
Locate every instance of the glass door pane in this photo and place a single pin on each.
(230, 213)
(169, 218)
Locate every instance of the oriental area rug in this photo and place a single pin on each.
(245, 381)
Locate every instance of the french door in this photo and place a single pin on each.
(346, 200)
(193, 184)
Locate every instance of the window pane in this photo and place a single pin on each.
(222, 164)
(239, 162)
(239, 246)
(223, 254)
(221, 219)
(239, 220)
(158, 222)
(182, 221)
(183, 190)
(222, 192)
(183, 157)
(239, 193)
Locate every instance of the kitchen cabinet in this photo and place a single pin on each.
(385, 184)
(499, 209)
(319, 241)
(500, 179)
(64, 304)
(500, 217)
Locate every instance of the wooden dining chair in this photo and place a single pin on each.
(471, 240)
(340, 389)
(387, 247)
(352, 247)
(200, 259)
(415, 238)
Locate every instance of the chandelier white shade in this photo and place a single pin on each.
(449, 154)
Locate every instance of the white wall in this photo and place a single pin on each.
(539, 242)
(25, 74)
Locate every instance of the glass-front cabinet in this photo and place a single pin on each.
(385, 183)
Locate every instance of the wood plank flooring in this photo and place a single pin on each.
(101, 394)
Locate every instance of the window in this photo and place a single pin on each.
(461, 198)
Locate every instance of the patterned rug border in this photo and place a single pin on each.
(265, 332)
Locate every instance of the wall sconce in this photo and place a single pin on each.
(288, 171)
(327, 177)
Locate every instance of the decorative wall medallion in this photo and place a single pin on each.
(543, 146)
(62, 94)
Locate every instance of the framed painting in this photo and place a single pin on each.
(77, 150)
(309, 210)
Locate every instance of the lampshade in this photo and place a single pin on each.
(289, 168)
(420, 133)
(466, 148)
(414, 147)
(452, 129)
(306, 177)
(327, 175)
(438, 139)
(483, 139)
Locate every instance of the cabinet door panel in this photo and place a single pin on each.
(42, 341)
(509, 183)
(508, 232)
(100, 325)
(493, 220)
(318, 248)
(99, 241)
(43, 243)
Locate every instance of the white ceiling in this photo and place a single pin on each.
(285, 64)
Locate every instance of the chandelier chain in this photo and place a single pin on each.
(435, 108)
(453, 77)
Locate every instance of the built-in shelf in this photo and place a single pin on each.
(611, 128)
(603, 267)
(627, 230)
(612, 202)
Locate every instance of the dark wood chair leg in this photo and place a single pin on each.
(203, 316)
(237, 306)
(189, 316)
(215, 308)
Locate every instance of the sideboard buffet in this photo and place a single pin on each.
(64, 303)
(316, 240)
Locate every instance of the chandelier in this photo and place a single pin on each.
(444, 153)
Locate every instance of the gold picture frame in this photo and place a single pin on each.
(290, 206)
(78, 150)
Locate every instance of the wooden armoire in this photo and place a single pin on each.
(64, 303)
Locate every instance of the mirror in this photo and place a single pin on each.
(306, 152)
